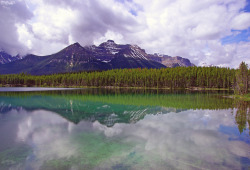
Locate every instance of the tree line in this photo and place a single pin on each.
(174, 78)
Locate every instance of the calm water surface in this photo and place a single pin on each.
(105, 129)
(21, 89)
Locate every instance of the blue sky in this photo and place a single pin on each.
(238, 35)
(247, 7)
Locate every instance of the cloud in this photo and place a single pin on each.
(187, 28)
(192, 29)
(100, 17)
(184, 140)
(178, 139)
(241, 21)
(12, 13)
(59, 23)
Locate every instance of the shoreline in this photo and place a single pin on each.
(119, 87)
(245, 97)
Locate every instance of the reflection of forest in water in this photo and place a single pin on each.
(242, 117)
(110, 106)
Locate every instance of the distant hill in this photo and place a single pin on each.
(74, 58)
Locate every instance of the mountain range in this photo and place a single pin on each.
(74, 58)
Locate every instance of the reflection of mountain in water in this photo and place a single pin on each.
(107, 114)
(109, 108)
(6, 108)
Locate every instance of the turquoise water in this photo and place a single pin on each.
(123, 129)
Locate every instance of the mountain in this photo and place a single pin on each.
(71, 59)
(132, 56)
(171, 61)
(105, 51)
(206, 65)
(74, 58)
(122, 56)
(7, 58)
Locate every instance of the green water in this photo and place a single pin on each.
(123, 129)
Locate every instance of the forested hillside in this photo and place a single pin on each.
(180, 77)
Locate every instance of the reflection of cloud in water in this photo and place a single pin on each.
(182, 140)
(48, 133)
(189, 136)
(36, 120)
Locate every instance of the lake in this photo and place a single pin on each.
(122, 129)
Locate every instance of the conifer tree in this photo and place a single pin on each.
(242, 79)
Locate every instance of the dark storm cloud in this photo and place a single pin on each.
(12, 13)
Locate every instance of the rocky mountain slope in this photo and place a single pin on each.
(122, 56)
(171, 61)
